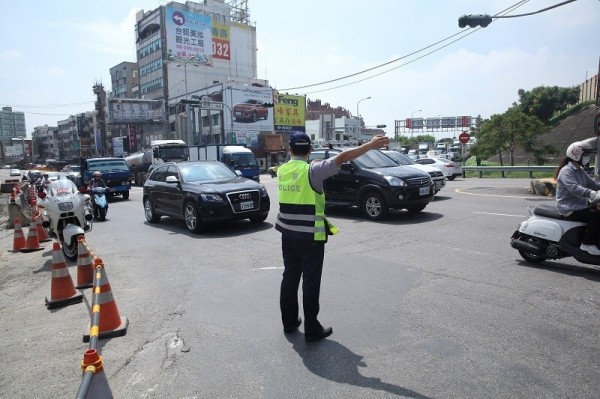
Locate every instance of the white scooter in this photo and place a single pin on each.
(548, 235)
(66, 214)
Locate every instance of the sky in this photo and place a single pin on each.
(53, 52)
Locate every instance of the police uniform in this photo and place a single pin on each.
(304, 230)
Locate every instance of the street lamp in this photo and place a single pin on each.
(367, 98)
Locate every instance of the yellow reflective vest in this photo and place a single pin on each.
(301, 208)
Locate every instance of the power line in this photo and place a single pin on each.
(461, 34)
(48, 106)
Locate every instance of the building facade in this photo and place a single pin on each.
(12, 125)
(193, 49)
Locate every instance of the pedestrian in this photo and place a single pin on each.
(304, 229)
(575, 190)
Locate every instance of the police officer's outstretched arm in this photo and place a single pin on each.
(379, 141)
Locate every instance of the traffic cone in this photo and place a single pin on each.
(19, 240)
(99, 388)
(111, 323)
(62, 291)
(32, 243)
(41, 231)
(85, 268)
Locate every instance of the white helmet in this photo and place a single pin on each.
(576, 150)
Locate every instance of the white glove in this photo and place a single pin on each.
(595, 197)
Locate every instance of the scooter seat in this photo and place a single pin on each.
(548, 211)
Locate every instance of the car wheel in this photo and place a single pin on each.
(373, 206)
(451, 178)
(149, 211)
(258, 218)
(192, 217)
(254, 117)
(416, 209)
(125, 195)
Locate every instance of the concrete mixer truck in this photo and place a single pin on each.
(160, 151)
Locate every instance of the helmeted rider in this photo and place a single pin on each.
(96, 181)
(575, 189)
(43, 182)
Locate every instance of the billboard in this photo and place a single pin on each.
(289, 113)
(189, 37)
(249, 114)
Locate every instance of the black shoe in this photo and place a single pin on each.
(293, 328)
(325, 332)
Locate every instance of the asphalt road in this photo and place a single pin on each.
(432, 305)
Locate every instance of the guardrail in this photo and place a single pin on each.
(503, 169)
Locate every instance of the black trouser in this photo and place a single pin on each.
(301, 258)
(592, 218)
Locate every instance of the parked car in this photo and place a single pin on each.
(375, 183)
(450, 168)
(438, 177)
(15, 172)
(203, 193)
(250, 110)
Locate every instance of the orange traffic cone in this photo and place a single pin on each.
(62, 291)
(19, 240)
(41, 231)
(32, 243)
(99, 388)
(85, 268)
(111, 323)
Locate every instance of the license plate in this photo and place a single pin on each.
(424, 190)
(246, 205)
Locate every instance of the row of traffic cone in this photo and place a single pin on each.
(36, 234)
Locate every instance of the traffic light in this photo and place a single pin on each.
(268, 105)
(188, 101)
(473, 21)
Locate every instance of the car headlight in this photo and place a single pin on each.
(211, 197)
(394, 181)
(263, 191)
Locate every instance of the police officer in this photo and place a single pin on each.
(304, 229)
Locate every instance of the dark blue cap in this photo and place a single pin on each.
(299, 140)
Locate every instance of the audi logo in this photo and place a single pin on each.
(245, 196)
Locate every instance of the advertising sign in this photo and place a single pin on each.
(189, 37)
(249, 111)
(290, 112)
(221, 48)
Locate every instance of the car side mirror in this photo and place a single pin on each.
(238, 172)
(347, 167)
(172, 179)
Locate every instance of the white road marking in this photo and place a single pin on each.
(500, 214)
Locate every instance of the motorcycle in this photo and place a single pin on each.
(99, 203)
(66, 214)
(546, 234)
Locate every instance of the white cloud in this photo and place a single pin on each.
(10, 55)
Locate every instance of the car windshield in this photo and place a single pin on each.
(62, 187)
(400, 158)
(197, 172)
(375, 159)
(109, 166)
(244, 159)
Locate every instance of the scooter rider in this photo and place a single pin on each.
(575, 189)
(96, 181)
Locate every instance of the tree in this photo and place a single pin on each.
(506, 131)
(544, 101)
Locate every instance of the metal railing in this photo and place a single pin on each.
(503, 169)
